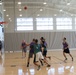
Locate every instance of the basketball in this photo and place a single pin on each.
(25, 7)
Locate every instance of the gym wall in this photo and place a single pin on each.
(54, 39)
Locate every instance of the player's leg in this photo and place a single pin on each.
(30, 56)
(68, 51)
(28, 61)
(45, 55)
(42, 58)
(71, 56)
(24, 52)
(36, 60)
(41, 62)
(64, 55)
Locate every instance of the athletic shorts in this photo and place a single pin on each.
(24, 50)
(44, 53)
(30, 55)
(66, 50)
(34, 58)
(0, 48)
(38, 56)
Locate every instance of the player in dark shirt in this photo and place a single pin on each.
(44, 48)
(38, 55)
(31, 52)
(66, 49)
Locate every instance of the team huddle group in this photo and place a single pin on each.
(38, 50)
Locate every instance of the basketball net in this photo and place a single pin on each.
(3, 23)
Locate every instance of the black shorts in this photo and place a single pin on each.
(30, 55)
(34, 59)
(44, 53)
(66, 50)
(0, 48)
(24, 50)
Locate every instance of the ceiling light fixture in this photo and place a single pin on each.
(4, 10)
(0, 3)
(44, 3)
(20, 15)
(9, 18)
(55, 14)
(40, 9)
(19, 2)
(7, 15)
(20, 9)
(38, 15)
(68, 3)
(71, 14)
(61, 10)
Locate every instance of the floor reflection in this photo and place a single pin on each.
(32, 71)
(59, 68)
(65, 69)
(69, 68)
(51, 71)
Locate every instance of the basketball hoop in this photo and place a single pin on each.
(3, 23)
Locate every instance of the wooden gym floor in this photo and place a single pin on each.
(14, 64)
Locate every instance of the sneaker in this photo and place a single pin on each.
(48, 65)
(65, 59)
(49, 58)
(72, 59)
(38, 67)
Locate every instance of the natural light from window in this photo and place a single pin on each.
(64, 23)
(44, 23)
(24, 24)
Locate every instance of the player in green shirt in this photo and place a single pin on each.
(38, 55)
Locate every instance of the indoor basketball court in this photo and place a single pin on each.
(37, 37)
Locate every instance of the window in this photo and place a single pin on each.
(75, 23)
(24, 23)
(64, 23)
(44, 23)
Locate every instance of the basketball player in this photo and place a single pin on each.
(38, 55)
(23, 47)
(44, 48)
(66, 49)
(31, 52)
